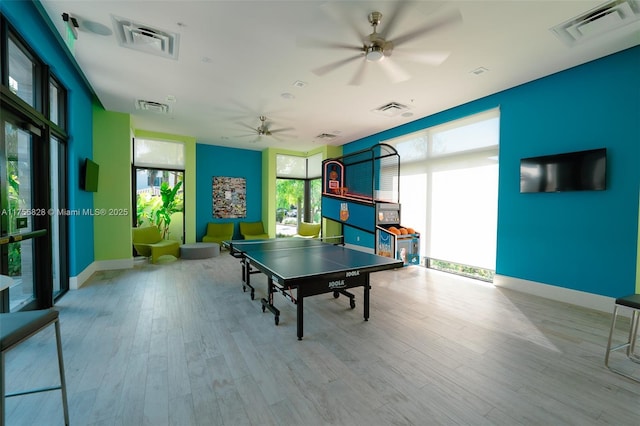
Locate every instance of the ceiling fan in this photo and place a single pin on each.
(264, 130)
(377, 47)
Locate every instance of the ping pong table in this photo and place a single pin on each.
(308, 266)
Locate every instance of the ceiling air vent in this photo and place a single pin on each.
(145, 38)
(602, 19)
(326, 136)
(391, 109)
(151, 106)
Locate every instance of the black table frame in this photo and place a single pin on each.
(335, 282)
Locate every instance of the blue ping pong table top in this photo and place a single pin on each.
(298, 258)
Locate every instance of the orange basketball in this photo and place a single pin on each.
(394, 230)
(403, 231)
(411, 231)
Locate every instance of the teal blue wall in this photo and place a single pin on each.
(27, 21)
(577, 240)
(229, 162)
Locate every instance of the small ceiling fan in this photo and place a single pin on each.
(377, 47)
(264, 130)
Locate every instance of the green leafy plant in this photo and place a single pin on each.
(158, 210)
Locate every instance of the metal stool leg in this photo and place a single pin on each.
(613, 326)
(3, 411)
(629, 345)
(63, 382)
(14, 334)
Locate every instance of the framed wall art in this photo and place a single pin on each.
(229, 197)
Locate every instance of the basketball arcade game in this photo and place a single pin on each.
(361, 192)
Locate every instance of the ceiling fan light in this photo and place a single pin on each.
(375, 53)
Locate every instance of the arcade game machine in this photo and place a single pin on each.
(393, 239)
(360, 191)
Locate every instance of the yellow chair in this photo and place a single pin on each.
(148, 242)
(218, 232)
(308, 230)
(253, 231)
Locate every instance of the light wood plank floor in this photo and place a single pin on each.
(181, 344)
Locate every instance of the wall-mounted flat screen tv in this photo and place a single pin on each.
(572, 171)
(89, 176)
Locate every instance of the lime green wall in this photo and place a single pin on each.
(269, 190)
(111, 150)
(269, 184)
(189, 177)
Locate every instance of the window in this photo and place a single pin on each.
(158, 176)
(298, 191)
(158, 154)
(449, 192)
(57, 107)
(21, 73)
(32, 117)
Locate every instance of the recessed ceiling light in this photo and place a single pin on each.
(171, 98)
(287, 95)
(299, 83)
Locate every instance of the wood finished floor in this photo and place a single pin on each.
(181, 344)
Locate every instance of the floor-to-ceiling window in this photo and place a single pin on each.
(32, 178)
(158, 191)
(298, 192)
(449, 192)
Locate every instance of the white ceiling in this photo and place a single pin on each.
(236, 59)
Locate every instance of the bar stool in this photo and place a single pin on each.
(17, 327)
(631, 302)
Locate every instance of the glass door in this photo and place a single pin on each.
(23, 226)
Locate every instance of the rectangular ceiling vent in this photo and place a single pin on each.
(326, 136)
(391, 109)
(145, 38)
(600, 20)
(151, 106)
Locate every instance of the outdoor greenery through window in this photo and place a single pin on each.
(158, 180)
(459, 269)
(298, 191)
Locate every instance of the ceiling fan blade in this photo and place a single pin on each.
(389, 22)
(340, 14)
(281, 130)
(429, 58)
(359, 75)
(244, 135)
(323, 44)
(452, 17)
(394, 71)
(320, 71)
(246, 126)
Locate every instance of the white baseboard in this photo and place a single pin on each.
(101, 265)
(574, 297)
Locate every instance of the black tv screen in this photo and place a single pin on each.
(89, 176)
(573, 171)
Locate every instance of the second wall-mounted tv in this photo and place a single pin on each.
(89, 176)
(572, 171)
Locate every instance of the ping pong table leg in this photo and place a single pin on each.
(246, 277)
(268, 303)
(299, 315)
(367, 287)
